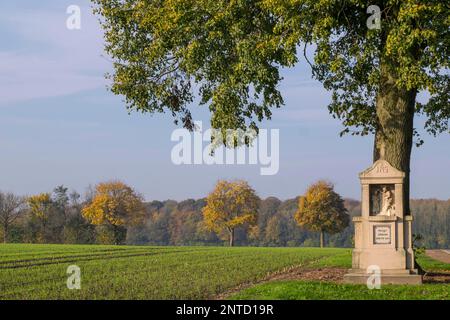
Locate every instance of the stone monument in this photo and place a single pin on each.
(383, 237)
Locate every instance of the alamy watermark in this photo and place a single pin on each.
(191, 150)
(73, 22)
(374, 280)
(374, 20)
(74, 279)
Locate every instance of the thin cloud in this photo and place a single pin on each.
(50, 60)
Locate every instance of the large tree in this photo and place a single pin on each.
(230, 53)
(41, 207)
(230, 205)
(114, 206)
(321, 209)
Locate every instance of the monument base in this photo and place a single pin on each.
(399, 276)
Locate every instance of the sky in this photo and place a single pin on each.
(60, 125)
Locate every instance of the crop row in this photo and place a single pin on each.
(181, 272)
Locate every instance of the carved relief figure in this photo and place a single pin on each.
(388, 206)
(382, 200)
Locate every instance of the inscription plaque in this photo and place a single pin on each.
(382, 234)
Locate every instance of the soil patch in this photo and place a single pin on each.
(440, 255)
(437, 277)
(295, 273)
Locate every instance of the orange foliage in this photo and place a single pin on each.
(114, 203)
(322, 209)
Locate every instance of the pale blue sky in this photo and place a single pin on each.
(59, 125)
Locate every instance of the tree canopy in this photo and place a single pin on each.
(114, 206)
(230, 205)
(231, 52)
(40, 205)
(114, 203)
(322, 209)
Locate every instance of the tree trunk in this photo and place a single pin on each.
(231, 237)
(116, 234)
(321, 238)
(394, 133)
(5, 233)
(44, 232)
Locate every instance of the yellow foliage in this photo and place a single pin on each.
(39, 205)
(322, 209)
(229, 205)
(114, 203)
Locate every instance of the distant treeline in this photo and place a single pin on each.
(181, 223)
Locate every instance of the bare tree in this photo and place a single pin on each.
(11, 207)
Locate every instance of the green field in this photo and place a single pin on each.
(314, 290)
(143, 272)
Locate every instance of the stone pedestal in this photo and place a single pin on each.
(383, 238)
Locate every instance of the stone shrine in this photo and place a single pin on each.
(383, 232)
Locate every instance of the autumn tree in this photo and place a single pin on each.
(40, 209)
(322, 210)
(11, 208)
(113, 207)
(376, 58)
(230, 205)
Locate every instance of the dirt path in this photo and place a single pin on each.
(294, 273)
(441, 255)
